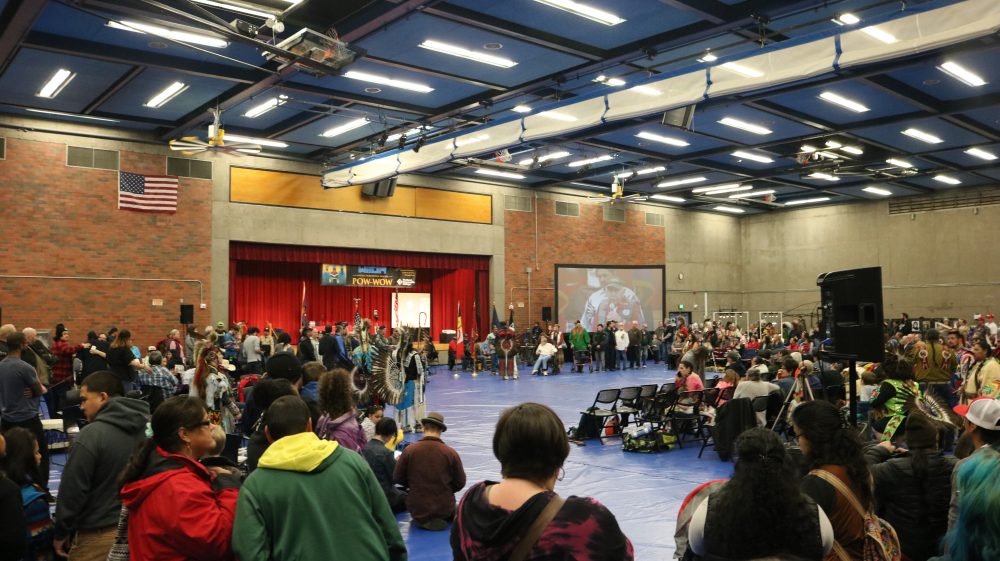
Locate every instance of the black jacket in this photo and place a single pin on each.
(88, 493)
(307, 352)
(329, 350)
(91, 362)
(918, 510)
(734, 417)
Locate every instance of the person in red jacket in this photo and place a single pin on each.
(179, 510)
(62, 371)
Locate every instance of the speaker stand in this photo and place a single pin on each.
(852, 384)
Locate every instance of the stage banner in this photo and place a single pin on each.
(361, 275)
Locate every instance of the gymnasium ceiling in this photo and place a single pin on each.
(559, 56)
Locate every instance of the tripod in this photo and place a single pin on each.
(801, 384)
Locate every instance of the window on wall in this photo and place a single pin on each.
(614, 213)
(78, 156)
(654, 219)
(185, 167)
(567, 209)
(515, 202)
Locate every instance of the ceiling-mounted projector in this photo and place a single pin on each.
(308, 44)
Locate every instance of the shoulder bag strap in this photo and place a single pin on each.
(523, 547)
(841, 488)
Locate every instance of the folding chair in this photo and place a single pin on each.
(725, 395)
(654, 411)
(609, 399)
(681, 418)
(628, 404)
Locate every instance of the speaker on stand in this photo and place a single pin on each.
(187, 314)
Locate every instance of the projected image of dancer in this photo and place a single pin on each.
(612, 301)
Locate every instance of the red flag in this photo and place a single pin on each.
(459, 335)
(303, 309)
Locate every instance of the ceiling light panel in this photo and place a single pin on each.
(168, 93)
(981, 154)
(544, 158)
(172, 34)
(262, 141)
(807, 201)
(602, 79)
(962, 74)
(743, 125)
(722, 187)
(947, 179)
(498, 173)
(723, 191)
(824, 176)
(899, 163)
(922, 136)
(877, 191)
(521, 109)
(584, 11)
(346, 127)
(56, 83)
(386, 81)
(730, 209)
(847, 19)
(462, 52)
(258, 110)
(678, 182)
(589, 161)
(752, 194)
(744, 155)
(239, 9)
(666, 198)
(645, 135)
(844, 102)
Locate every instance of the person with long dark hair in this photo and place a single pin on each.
(13, 538)
(833, 449)
(913, 488)
(760, 512)
(177, 508)
(984, 374)
(893, 398)
(123, 361)
(21, 465)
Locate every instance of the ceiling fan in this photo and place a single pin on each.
(190, 145)
(618, 194)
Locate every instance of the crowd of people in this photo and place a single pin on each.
(152, 473)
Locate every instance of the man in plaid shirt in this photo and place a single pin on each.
(158, 375)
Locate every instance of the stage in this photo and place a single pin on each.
(643, 491)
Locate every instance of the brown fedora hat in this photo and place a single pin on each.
(435, 418)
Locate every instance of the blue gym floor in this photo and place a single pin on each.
(643, 491)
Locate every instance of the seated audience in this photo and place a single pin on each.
(734, 362)
(760, 512)
(431, 472)
(913, 488)
(265, 392)
(976, 535)
(752, 388)
(373, 415)
(157, 382)
(493, 518)
(311, 372)
(729, 380)
(382, 459)
(545, 352)
(178, 508)
(981, 423)
(832, 449)
(339, 420)
(13, 538)
(311, 499)
(21, 465)
(687, 379)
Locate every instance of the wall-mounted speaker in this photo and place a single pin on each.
(546, 313)
(187, 314)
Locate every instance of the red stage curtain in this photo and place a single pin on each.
(244, 251)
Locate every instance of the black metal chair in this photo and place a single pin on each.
(684, 415)
(609, 400)
(628, 404)
(654, 411)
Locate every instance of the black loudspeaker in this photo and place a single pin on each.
(546, 313)
(381, 189)
(852, 312)
(682, 118)
(187, 314)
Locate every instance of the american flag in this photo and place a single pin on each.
(147, 193)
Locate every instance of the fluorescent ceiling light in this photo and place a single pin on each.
(268, 105)
(471, 140)
(235, 8)
(521, 109)
(558, 116)
(646, 171)
(584, 11)
(409, 133)
(749, 127)
(881, 35)
(461, 52)
(846, 19)
(498, 173)
(843, 102)
(709, 57)
(743, 70)
(63, 114)
(646, 90)
(385, 81)
(808, 149)
(589, 161)
(924, 136)
(346, 127)
(685, 181)
(828, 154)
(853, 150)
(732, 209)
(877, 191)
(807, 201)
(544, 158)
(667, 198)
(262, 141)
(833, 144)
(664, 139)
(170, 92)
(751, 156)
(899, 163)
(56, 83)
(982, 154)
(173, 34)
(824, 176)
(602, 79)
(717, 191)
(752, 194)
(947, 179)
(962, 74)
(724, 187)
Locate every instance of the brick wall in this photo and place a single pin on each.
(64, 221)
(584, 239)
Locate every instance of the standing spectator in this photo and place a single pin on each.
(62, 371)
(229, 341)
(88, 506)
(329, 348)
(19, 393)
(5, 330)
(984, 374)
(558, 340)
(252, 353)
(179, 510)
(123, 362)
(579, 339)
(21, 464)
(339, 418)
(93, 355)
(621, 349)
(265, 392)
(306, 352)
(283, 344)
(432, 473)
(176, 347)
(634, 345)
(212, 385)
(894, 395)
(382, 459)
(266, 344)
(284, 509)
(981, 425)
(493, 518)
(597, 344)
(645, 344)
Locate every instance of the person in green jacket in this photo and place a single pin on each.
(311, 499)
(579, 339)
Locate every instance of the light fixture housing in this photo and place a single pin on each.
(947, 179)
(678, 182)
(844, 102)
(759, 193)
(498, 173)
(616, 82)
(262, 141)
(667, 198)
(258, 110)
(237, 8)
(521, 109)
(172, 34)
(346, 127)
(981, 154)
(646, 135)
(729, 209)
(899, 163)
(386, 81)
(56, 83)
(168, 93)
(743, 125)
(742, 154)
(468, 54)
(544, 158)
(708, 57)
(922, 136)
(877, 191)
(846, 18)
(584, 11)
(807, 201)
(722, 187)
(723, 191)
(588, 161)
(962, 74)
(824, 176)
(852, 150)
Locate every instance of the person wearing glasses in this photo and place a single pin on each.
(177, 508)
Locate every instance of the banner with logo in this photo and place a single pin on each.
(364, 275)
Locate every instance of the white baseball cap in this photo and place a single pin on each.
(983, 412)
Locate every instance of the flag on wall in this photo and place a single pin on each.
(147, 193)
(459, 335)
(302, 309)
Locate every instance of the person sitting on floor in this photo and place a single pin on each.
(311, 499)
(545, 352)
(760, 512)
(373, 415)
(432, 473)
(382, 460)
(494, 518)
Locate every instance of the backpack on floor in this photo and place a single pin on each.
(650, 443)
(589, 427)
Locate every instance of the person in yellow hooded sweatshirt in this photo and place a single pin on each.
(312, 500)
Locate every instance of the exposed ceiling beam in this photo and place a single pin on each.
(113, 89)
(16, 21)
(916, 97)
(436, 73)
